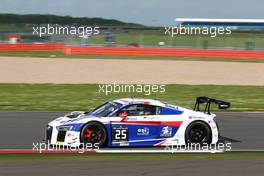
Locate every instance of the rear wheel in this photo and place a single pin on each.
(94, 133)
(198, 132)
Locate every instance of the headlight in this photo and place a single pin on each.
(64, 128)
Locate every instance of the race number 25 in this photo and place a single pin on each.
(120, 133)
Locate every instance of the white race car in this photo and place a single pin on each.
(137, 122)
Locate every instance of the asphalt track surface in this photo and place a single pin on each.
(18, 130)
(177, 167)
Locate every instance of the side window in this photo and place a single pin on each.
(140, 110)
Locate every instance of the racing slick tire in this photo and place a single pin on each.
(94, 133)
(198, 132)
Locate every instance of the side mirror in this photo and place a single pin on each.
(123, 115)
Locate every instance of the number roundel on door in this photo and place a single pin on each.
(120, 133)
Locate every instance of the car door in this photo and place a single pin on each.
(135, 124)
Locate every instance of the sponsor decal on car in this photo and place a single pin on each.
(124, 144)
(166, 131)
(143, 131)
(132, 118)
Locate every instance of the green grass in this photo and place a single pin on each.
(59, 54)
(38, 157)
(69, 97)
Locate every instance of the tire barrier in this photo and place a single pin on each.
(133, 51)
(27, 47)
(175, 52)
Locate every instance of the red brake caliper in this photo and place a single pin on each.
(88, 133)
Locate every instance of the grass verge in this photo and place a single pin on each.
(140, 156)
(69, 97)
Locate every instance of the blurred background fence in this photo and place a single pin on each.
(249, 40)
(245, 35)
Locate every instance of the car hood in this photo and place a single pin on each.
(72, 118)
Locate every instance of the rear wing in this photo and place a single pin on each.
(208, 101)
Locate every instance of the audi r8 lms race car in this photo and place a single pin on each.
(137, 122)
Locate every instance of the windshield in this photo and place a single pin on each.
(105, 109)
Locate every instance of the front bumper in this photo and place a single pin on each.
(67, 138)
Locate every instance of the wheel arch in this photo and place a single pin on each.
(195, 121)
(95, 121)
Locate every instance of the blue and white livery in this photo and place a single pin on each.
(137, 122)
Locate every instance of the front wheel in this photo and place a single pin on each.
(198, 132)
(94, 133)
